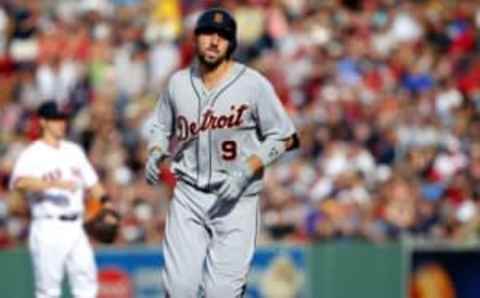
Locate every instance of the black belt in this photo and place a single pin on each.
(63, 217)
(207, 189)
(69, 217)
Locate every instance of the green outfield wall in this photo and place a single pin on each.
(357, 270)
(15, 274)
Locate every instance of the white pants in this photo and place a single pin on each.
(214, 254)
(56, 246)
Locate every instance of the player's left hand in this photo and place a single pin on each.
(230, 191)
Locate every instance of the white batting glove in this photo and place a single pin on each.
(152, 169)
(230, 191)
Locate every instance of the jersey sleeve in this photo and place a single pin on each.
(162, 126)
(25, 166)
(272, 119)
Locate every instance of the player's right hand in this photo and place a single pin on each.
(152, 167)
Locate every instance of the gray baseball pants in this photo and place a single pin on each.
(213, 254)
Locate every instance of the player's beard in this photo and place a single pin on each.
(212, 63)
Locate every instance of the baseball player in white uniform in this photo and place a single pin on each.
(227, 125)
(53, 174)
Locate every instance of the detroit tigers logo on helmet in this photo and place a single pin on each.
(218, 17)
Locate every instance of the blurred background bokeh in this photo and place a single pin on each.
(385, 95)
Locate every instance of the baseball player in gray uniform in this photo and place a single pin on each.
(222, 124)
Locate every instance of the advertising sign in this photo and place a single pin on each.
(130, 273)
(135, 273)
(445, 274)
(278, 272)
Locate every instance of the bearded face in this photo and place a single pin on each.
(212, 48)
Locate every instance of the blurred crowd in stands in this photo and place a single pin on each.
(385, 95)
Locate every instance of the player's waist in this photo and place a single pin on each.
(253, 189)
(201, 182)
(193, 183)
(67, 217)
(210, 181)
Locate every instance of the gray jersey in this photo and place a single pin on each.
(215, 130)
